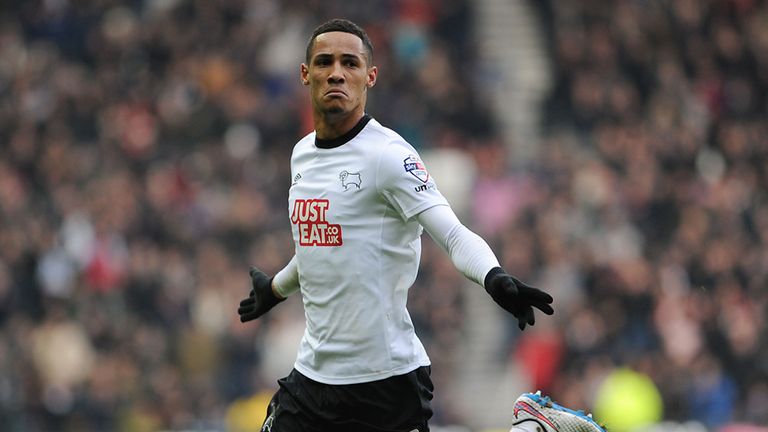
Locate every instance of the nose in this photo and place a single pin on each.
(337, 73)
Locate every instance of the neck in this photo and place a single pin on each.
(330, 126)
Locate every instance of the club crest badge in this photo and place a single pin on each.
(349, 179)
(415, 166)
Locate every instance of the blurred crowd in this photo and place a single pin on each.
(648, 207)
(144, 168)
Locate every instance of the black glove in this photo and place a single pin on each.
(261, 299)
(516, 297)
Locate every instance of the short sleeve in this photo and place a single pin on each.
(404, 181)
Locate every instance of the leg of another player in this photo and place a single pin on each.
(536, 413)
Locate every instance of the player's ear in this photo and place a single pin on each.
(304, 74)
(372, 73)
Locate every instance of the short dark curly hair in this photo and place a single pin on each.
(346, 26)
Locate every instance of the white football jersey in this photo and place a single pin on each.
(352, 204)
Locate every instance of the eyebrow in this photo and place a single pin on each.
(345, 56)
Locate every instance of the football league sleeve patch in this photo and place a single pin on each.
(404, 181)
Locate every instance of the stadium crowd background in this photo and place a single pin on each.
(144, 167)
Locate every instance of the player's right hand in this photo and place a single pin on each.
(516, 297)
(261, 298)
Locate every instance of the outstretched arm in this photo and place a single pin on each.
(469, 252)
(474, 258)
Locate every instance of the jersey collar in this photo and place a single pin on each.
(343, 139)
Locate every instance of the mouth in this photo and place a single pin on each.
(335, 93)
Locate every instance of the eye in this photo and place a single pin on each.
(351, 63)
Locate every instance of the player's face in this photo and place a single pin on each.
(338, 74)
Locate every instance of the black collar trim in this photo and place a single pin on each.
(343, 139)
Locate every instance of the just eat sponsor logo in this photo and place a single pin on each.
(314, 230)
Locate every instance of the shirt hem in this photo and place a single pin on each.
(358, 379)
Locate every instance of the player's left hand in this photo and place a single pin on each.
(516, 297)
